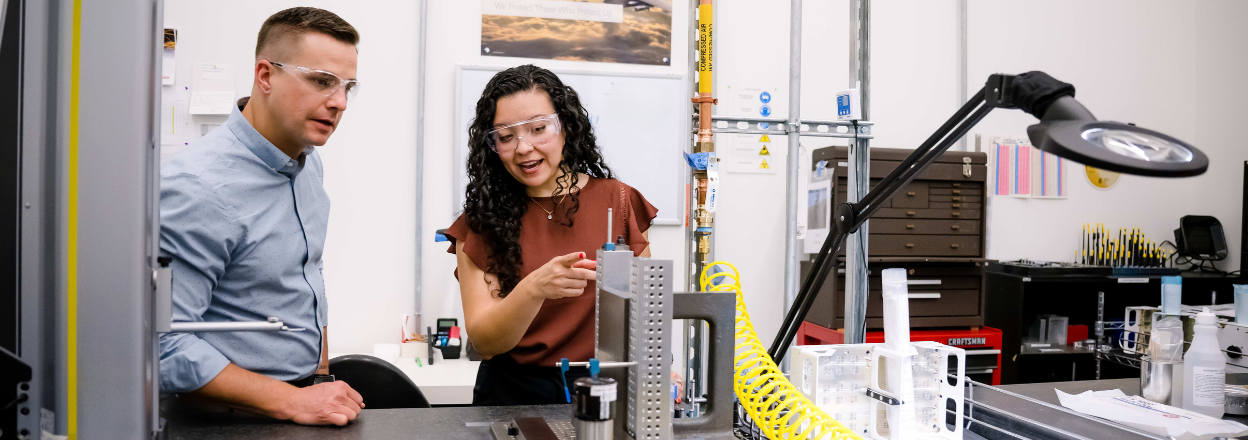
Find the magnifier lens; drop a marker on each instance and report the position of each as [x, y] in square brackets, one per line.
[1138, 145]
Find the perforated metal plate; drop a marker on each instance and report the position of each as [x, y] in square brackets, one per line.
[649, 344]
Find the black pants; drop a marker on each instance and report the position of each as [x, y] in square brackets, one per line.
[503, 382]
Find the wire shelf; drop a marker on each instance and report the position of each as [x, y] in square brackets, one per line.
[1119, 356]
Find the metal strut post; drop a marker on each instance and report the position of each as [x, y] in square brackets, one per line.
[793, 170]
[859, 174]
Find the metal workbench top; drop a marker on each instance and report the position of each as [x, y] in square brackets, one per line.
[452, 423]
[1085, 427]
[1020, 417]
[432, 423]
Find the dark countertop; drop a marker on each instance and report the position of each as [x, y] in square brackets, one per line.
[440, 423]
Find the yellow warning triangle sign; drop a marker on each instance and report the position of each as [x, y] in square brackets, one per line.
[764, 165]
[765, 139]
[764, 152]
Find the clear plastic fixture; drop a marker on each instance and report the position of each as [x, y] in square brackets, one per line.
[1241, 304]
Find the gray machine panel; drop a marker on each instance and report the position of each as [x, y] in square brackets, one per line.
[611, 308]
[117, 129]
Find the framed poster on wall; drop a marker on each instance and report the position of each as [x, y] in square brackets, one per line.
[607, 31]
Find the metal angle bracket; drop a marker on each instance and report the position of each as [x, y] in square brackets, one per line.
[833, 129]
[882, 396]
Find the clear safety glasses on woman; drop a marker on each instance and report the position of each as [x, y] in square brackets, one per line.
[324, 83]
[536, 132]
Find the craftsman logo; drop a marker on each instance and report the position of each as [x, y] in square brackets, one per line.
[968, 341]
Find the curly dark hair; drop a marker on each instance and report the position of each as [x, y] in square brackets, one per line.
[495, 201]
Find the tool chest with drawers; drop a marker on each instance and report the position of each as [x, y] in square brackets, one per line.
[933, 227]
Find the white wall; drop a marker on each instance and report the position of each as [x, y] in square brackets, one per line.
[913, 89]
[370, 274]
[1119, 54]
[1172, 69]
[1116, 52]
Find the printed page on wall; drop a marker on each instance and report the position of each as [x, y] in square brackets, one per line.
[607, 31]
[1048, 175]
[1009, 166]
[1018, 169]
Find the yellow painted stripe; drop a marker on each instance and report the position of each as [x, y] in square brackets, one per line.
[71, 253]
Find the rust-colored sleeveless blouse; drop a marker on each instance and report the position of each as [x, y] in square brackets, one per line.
[565, 327]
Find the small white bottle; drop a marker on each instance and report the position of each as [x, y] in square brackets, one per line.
[1204, 369]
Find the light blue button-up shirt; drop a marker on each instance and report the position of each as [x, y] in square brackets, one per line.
[245, 225]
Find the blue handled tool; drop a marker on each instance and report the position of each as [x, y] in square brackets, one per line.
[563, 376]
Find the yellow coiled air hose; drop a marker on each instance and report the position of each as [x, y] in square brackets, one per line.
[768, 397]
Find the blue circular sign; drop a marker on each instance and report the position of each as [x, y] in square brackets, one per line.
[765, 110]
[765, 97]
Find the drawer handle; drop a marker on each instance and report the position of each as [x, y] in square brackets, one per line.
[957, 205]
[975, 352]
[909, 226]
[956, 185]
[909, 245]
[957, 191]
[923, 282]
[957, 199]
[910, 213]
[957, 214]
[923, 296]
[954, 245]
[910, 193]
[955, 227]
[984, 371]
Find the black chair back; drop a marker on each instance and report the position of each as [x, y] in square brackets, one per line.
[380, 383]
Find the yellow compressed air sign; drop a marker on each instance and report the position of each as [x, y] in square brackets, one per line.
[704, 48]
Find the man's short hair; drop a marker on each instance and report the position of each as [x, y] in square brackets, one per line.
[288, 24]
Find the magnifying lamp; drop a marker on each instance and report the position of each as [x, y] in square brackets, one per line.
[1066, 129]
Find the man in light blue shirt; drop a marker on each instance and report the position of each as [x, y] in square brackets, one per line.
[243, 217]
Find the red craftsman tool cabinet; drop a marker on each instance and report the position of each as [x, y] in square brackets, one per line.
[982, 345]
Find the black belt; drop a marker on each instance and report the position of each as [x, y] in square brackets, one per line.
[311, 380]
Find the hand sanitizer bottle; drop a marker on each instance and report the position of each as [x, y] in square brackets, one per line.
[1204, 369]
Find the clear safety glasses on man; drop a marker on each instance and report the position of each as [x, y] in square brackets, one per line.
[536, 132]
[324, 83]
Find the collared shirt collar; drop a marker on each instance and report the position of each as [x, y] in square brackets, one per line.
[268, 153]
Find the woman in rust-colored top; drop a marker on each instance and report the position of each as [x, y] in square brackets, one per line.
[535, 212]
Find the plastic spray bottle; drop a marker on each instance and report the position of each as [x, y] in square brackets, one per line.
[1204, 369]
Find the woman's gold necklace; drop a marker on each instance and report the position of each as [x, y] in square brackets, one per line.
[550, 215]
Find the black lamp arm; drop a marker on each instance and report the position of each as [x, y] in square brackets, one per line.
[849, 216]
[893, 181]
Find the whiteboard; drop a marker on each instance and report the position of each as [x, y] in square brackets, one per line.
[641, 121]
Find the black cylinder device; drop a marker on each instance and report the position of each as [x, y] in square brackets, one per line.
[593, 403]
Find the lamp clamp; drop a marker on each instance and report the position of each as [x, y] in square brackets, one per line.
[999, 91]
